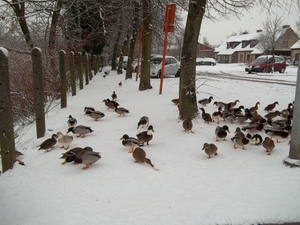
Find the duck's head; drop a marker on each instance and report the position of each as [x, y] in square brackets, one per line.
[69, 130]
[69, 158]
[225, 127]
[124, 137]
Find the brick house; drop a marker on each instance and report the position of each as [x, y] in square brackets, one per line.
[243, 48]
[204, 51]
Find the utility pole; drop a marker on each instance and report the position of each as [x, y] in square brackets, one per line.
[293, 160]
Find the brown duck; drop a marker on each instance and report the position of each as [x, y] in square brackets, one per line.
[272, 115]
[187, 124]
[240, 141]
[109, 104]
[206, 116]
[254, 108]
[268, 144]
[139, 155]
[217, 115]
[49, 143]
[210, 149]
[231, 105]
[146, 136]
[271, 106]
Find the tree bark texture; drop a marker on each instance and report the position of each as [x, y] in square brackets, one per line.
[187, 85]
[133, 39]
[146, 47]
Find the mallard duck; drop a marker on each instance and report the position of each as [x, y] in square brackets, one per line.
[255, 117]
[217, 115]
[120, 84]
[220, 104]
[279, 134]
[268, 144]
[144, 121]
[210, 149]
[271, 106]
[288, 111]
[205, 101]
[231, 105]
[187, 124]
[114, 96]
[175, 101]
[131, 142]
[109, 104]
[272, 115]
[221, 132]
[71, 121]
[96, 115]
[113, 102]
[64, 140]
[281, 123]
[87, 157]
[240, 140]
[255, 127]
[206, 116]
[254, 108]
[88, 109]
[81, 130]
[49, 143]
[139, 155]
[121, 111]
[75, 151]
[256, 139]
[146, 136]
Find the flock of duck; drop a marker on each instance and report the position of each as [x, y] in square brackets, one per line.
[86, 155]
[275, 124]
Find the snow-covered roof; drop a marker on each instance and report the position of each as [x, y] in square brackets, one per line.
[223, 50]
[296, 45]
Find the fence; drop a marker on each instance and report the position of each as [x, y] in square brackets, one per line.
[7, 141]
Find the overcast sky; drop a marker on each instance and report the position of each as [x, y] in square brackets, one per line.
[217, 32]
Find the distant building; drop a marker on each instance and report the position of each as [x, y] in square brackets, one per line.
[243, 48]
[204, 51]
[295, 51]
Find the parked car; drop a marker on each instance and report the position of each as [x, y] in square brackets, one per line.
[206, 62]
[172, 66]
[264, 64]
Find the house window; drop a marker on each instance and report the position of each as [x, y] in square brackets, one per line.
[248, 57]
[228, 45]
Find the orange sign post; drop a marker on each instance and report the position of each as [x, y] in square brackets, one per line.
[169, 20]
[139, 54]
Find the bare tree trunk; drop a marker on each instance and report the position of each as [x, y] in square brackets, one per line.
[116, 46]
[52, 35]
[146, 46]
[187, 85]
[19, 9]
[135, 29]
[124, 48]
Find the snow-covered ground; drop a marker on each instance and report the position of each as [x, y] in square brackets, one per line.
[235, 187]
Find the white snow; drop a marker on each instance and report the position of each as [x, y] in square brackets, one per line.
[235, 187]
